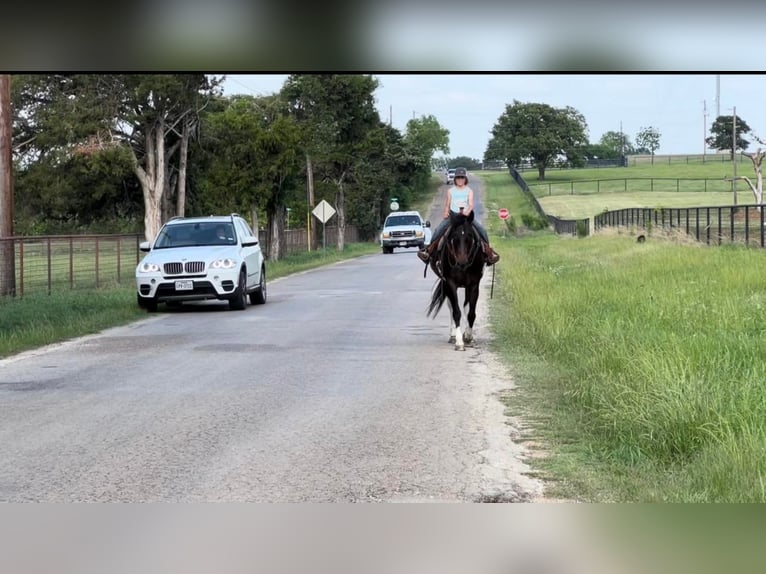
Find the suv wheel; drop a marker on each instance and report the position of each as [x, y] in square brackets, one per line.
[238, 301]
[258, 297]
[149, 304]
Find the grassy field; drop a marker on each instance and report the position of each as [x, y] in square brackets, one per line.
[639, 186]
[640, 367]
[582, 206]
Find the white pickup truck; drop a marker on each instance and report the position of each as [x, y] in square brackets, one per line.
[404, 229]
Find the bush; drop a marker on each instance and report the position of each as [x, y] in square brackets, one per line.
[533, 221]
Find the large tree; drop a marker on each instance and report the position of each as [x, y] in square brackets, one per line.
[151, 116]
[538, 132]
[335, 111]
[722, 134]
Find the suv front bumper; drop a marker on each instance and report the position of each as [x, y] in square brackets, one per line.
[218, 285]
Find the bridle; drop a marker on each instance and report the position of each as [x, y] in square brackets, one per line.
[452, 255]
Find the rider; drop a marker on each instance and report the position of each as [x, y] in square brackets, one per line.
[459, 200]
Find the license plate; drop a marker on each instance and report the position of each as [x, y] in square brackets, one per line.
[403, 243]
[184, 285]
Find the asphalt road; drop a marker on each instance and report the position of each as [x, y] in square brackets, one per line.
[338, 389]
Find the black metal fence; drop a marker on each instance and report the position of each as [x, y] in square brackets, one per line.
[688, 159]
[560, 226]
[633, 184]
[712, 225]
[579, 227]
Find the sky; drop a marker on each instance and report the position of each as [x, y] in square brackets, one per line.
[468, 105]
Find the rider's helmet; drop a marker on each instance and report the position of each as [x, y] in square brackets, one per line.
[460, 172]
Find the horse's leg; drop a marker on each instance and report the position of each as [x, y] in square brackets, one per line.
[455, 307]
[471, 299]
[451, 323]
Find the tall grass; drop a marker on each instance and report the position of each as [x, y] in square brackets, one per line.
[643, 365]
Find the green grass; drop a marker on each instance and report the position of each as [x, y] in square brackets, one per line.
[35, 320]
[582, 206]
[641, 368]
[620, 188]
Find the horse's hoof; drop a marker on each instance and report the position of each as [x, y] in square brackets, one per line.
[452, 340]
[460, 347]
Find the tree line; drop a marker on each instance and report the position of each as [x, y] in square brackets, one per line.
[125, 152]
[547, 136]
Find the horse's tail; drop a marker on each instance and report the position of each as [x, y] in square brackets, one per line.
[437, 299]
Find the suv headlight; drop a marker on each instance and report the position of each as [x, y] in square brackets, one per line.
[386, 234]
[418, 234]
[148, 268]
[226, 263]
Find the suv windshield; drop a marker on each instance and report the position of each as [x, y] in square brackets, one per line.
[195, 234]
[402, 220]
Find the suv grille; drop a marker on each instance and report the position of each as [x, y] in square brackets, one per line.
[407, 233]
[179, 268]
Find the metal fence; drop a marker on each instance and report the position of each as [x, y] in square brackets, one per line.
[48, 263]
[53, 262]
[632, 184]
[691, 158]
[560, 226]
[712, 225]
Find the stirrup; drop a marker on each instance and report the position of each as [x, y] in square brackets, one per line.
[424, 256]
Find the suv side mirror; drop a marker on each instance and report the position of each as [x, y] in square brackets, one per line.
[144, 246]
[428, 223]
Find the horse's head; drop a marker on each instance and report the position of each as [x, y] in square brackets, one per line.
[462, 243]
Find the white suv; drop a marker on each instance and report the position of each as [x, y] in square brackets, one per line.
[196, 258]
[404, 229]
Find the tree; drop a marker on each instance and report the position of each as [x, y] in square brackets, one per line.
[464, 161]
[648, 138]
[335, 111]
[722, 133]
[424, 136]
[152, 116]
[540, 132]
[618, 142]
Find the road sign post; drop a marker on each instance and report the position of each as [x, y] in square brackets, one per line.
[503, 214]
[323, 212]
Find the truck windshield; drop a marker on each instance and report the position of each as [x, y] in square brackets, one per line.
[402, 220]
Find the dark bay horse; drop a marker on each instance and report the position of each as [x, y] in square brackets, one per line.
[458, 262]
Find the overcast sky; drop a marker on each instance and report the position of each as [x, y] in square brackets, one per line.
[469, 105]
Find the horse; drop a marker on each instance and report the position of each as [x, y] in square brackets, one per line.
[458, 262]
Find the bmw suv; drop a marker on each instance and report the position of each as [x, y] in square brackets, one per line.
[197, 258]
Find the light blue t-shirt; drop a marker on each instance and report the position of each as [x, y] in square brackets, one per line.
[459, 196]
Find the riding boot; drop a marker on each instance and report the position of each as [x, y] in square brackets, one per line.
[425, 254]
[490, 254]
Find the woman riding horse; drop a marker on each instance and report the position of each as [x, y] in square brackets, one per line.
[459, 200]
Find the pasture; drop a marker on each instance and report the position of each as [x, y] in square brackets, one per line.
[581, 193]
[640, 367]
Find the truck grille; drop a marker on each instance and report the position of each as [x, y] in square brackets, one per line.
[406, 233]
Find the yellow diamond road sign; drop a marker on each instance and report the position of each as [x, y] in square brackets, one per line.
[323, 211]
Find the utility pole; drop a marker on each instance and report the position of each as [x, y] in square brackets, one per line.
[704, 129]
[718, 96]
[7, 253]
[733, 152]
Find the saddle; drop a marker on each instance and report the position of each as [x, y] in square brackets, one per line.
[435, 262]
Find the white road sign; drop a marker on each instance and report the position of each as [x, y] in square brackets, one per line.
[323, 211]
